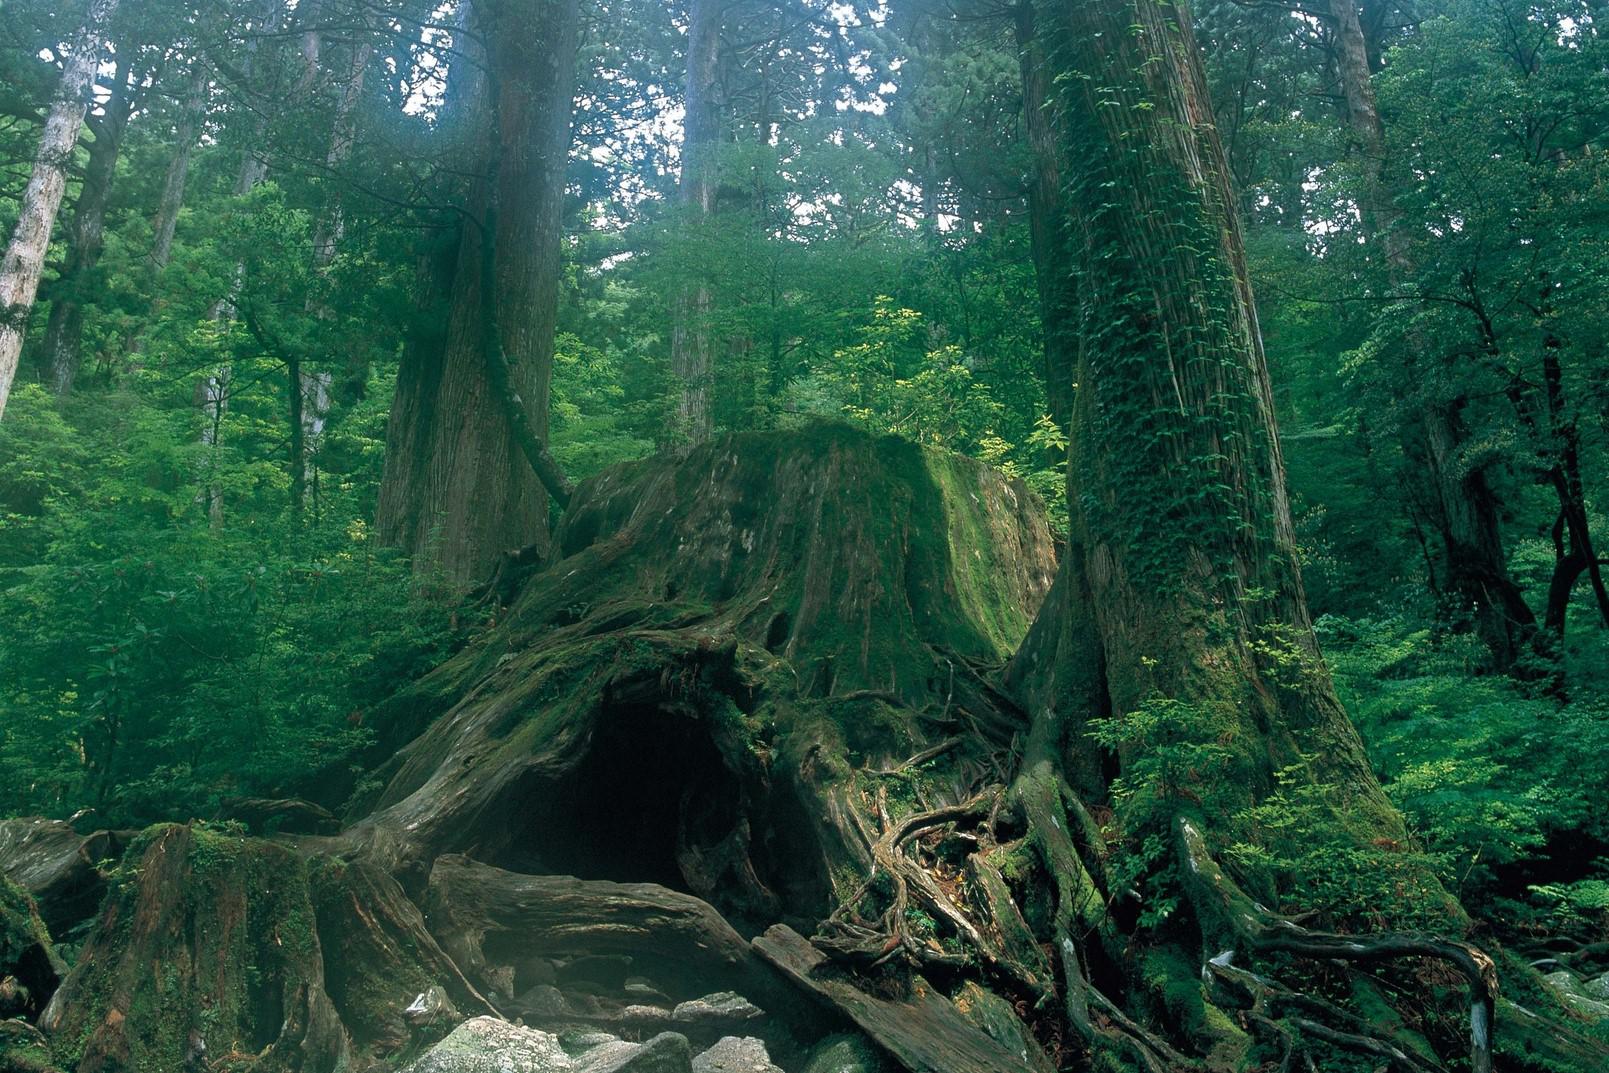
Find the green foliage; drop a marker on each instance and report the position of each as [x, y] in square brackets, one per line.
[158, 662]
[1488, 774]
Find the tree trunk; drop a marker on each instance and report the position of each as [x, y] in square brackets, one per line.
[64, 332]
[1181, 599]
[30, 238]
[691, 347]
[191, 113]
[343, 138]
[1460, 501]
[1047, 222]
[460, 487]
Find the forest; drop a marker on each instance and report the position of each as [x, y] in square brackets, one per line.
[804, 536]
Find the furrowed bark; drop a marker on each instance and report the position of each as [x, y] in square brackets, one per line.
[691, 347]
[64, 332]
[468, 489]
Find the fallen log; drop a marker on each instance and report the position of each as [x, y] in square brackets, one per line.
[921, 1029]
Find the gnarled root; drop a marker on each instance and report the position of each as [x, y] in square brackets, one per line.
[1213, 891]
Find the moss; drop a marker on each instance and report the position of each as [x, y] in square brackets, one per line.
[1176, 984]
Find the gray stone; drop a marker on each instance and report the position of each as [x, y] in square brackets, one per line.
[544, 1000]
[580, 1040]
[1572, 994]
[432, 1008]
[667, 1052]
[1597, 988]
[487, 1045]
[735, 1054]
[844, 1054]
[723, 1007]
[643, 1016]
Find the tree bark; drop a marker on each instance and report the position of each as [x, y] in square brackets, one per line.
[1182, 573]
[30, 239]
[1047, 222]
[1458, 498]
[64, 331]
[691, 347]
[187, 130]
[460, 488]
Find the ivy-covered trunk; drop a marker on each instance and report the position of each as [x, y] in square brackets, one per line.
[1175, 676]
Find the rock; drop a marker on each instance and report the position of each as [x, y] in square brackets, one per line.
[1573, 994]
[1597, 988]
[580, 1040]
[432, 1008]
[845, 1054]
[544, 1000]
[487, 1045]
[644, 1016]
[735, 1054]
[723, 1007]
[667, 1052]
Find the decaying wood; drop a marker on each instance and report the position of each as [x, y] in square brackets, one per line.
[920, 1028]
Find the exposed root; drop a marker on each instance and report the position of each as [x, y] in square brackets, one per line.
[852, 938]
[1262, 930]
[1265, 1000]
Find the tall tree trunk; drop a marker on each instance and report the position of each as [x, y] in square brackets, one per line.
[691, 348]
[64, 332]
[188, 128]
[460, 486]
[343, 138]
[1181, 609]
[1048, 225]
[1460, 500]
[30, 239]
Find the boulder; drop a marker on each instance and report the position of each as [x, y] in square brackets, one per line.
[1576, 998]
[488, 1045]
[721, 1008]
[845, 1054]
[735, 1054]
[667, 1052]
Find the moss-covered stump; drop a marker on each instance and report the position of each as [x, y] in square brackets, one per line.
[750, 664]
[685, 696]
[207, 944]
[216, 948]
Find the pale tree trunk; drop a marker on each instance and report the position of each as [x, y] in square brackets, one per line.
[191, 113]
[64, 332]
[1455, 496]
[343, 138]
[470, 420]
[691, 348]
[30, 239]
